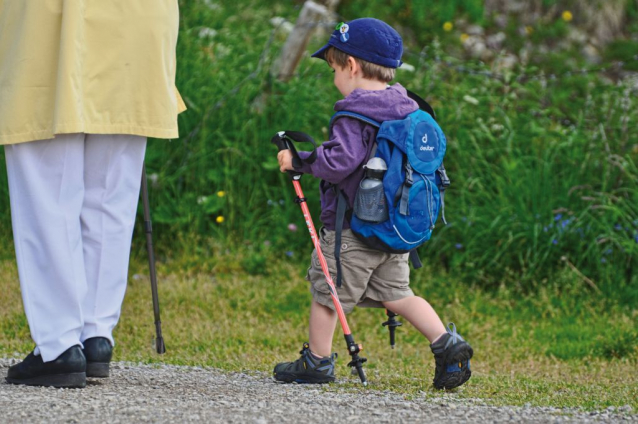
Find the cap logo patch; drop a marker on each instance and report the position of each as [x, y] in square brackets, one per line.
[344, 37]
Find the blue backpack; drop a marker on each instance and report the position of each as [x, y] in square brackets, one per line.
[413, 185]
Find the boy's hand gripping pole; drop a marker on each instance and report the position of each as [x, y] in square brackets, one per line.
[284, 140]
[148, 227]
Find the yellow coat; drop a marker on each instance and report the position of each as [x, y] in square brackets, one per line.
[92, 66]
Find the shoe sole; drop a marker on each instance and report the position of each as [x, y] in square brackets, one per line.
[287, 378]
[97, 369]
[71, 380]
[461, 352]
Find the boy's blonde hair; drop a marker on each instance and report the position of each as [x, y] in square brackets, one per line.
[369, 70]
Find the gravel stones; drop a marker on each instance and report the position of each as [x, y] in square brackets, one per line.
[166, 393]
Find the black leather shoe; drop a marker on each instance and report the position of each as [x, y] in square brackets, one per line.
[98, 352]
[67, 370]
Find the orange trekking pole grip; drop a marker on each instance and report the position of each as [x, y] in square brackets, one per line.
[283, 140]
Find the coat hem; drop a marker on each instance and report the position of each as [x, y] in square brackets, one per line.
[166, 133]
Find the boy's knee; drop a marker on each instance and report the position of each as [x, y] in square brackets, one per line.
[388, 303]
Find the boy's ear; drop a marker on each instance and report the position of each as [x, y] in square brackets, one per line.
[352, 66]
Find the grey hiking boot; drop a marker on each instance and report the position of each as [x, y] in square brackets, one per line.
[452, 355]
[307, 369]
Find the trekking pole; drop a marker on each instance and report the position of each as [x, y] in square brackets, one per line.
[159, 340]
[283, 141]
[391, 323]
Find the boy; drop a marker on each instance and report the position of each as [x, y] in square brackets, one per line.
[364, 55]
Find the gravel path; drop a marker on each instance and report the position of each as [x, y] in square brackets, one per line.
[165, 393]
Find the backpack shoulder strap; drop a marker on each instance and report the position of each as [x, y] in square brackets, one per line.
[354, 115]
[423, 105]
[414, 258]
[342, 207]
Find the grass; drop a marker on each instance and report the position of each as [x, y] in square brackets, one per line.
[553, 349]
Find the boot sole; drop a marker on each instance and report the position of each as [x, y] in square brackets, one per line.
[97, 369]
[288, 378]
[71, 380]
[460, 353]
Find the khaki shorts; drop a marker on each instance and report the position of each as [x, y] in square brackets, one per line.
[369, 276]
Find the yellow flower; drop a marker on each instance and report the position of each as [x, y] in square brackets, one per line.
[448, 26]
[567, 16]
[464, 37]
[221, 193]
[529, 29]
[220, 219]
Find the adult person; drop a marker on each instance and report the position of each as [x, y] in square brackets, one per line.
[82, 84]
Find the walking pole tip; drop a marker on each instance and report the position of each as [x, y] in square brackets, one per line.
[159, 345]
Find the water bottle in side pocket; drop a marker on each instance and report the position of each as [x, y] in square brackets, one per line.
[370, 204]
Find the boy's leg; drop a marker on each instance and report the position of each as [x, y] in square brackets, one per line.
[323, 321]
[451, 352]
[420, 314]
[316, 366]
[112, 178]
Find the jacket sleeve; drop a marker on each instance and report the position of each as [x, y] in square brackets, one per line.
[339, 156]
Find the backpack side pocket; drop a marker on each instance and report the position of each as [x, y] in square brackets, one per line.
[370, 204]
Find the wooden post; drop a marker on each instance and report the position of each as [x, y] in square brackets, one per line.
[310, 16]
[330, 4]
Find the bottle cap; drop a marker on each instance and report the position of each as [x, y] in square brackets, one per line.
[376, 164]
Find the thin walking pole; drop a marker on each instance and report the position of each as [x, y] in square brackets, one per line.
[159, 340]
[391, 323]
[283, 142]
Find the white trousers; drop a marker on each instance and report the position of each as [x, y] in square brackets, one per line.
[73, 205]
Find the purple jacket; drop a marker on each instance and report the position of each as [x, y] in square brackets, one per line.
[340, 160]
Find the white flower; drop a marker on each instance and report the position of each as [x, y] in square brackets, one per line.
[202, 199]
[471, 100]
[222, 50]
[153, 178]
[406, 67]
[207, 33]
[497, 127]
[212, 5]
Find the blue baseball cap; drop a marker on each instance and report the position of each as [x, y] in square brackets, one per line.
[369, 39]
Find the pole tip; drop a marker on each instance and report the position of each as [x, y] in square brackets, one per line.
[159, 345]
